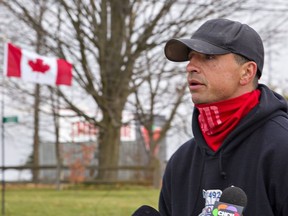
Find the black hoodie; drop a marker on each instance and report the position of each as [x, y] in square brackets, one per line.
[254, 157]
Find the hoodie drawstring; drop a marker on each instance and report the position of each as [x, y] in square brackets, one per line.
[223, 174]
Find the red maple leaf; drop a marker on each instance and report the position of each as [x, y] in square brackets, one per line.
[38, 65]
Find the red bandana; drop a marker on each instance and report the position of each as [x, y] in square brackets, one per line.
[218, 119]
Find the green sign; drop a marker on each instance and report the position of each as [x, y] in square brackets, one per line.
[8, 119]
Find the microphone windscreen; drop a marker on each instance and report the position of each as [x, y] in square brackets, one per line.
[146, 210]
[234, 195]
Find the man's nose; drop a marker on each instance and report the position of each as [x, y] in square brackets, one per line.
[192, 66]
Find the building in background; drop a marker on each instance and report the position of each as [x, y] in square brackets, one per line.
[79, 148]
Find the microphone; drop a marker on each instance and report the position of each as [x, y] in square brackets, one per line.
[146, 210]
[232, 202]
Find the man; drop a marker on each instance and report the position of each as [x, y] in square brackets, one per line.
[240, 127]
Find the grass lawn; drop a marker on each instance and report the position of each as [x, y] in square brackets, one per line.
[105, 201]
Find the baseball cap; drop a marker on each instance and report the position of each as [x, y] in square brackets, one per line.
[219, 36]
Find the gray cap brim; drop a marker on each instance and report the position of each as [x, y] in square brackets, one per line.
[178, 49]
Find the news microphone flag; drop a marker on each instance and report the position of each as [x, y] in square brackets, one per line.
[232, 202]
[227, 209]
[31, 67]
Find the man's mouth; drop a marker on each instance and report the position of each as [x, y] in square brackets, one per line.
[194, 84]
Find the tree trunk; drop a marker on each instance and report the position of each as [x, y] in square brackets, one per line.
[59, 161]
[155, 164]
[109, 142]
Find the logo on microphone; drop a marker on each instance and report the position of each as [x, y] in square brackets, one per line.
[224, 209]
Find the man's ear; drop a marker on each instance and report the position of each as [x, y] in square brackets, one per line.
[249, 71]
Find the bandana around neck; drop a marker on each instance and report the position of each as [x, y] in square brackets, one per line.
[218, 119]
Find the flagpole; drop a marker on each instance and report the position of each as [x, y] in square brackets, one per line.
[3, 148]
[4, 38]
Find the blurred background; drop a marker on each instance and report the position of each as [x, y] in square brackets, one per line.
[128, 108]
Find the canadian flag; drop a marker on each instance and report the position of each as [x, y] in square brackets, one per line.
[32, 67]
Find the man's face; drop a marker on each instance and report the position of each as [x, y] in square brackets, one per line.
[213, 78]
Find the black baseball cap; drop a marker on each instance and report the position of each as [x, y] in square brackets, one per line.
[219, 36]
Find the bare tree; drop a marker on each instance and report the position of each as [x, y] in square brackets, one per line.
[10, 34]
[39, 10]
[109, 41]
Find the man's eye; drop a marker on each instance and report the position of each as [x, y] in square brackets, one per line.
[190, 55]
[210, 57]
